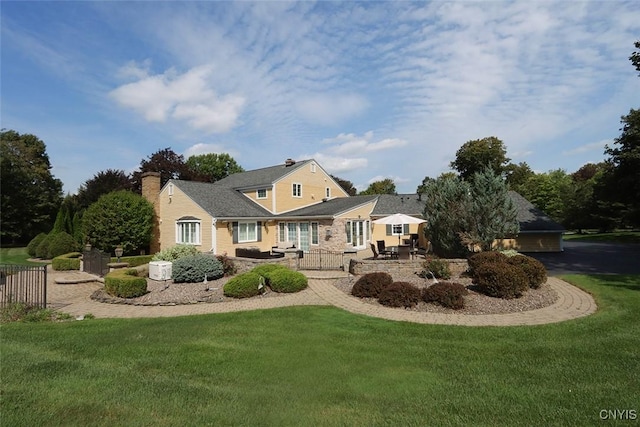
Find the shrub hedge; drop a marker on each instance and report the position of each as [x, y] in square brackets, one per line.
[265, 270]
[446, 294]
[244, 285]
[400, 294]
[194, 268]
[287, 281]
[42, 251]
[371, 284]
[500, 280]
[175, 252]
[70, 261]
[534, 270]
[61, 243]
[134, 261]
[125, 283]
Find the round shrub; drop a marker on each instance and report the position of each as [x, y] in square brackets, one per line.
[34, 243]
[501, 280]
[265, 270]
[446, 294]
[399, 294]
[439, 268]
[175, 252]
[194, 268]
[125, 283]
[532, 268]
[371, 284]
[42, 251]
[288, 281]
[487, 257]
[244, 285]
[61, 243]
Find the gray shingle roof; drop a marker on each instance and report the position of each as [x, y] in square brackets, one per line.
[532, 218]
[329, 208]
[407, 204]
[263, 177]
[220, 201]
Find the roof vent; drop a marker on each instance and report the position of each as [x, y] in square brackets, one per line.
[289, 162]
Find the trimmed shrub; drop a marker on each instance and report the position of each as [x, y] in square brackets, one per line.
[534, 270]
[194, 268]
[265, 270]
[500, 280]
[446, 294]
[175, 252]
[61, 243]
[371, 284]
[439, 268]
[288, 281]
[228, 265]
[42, 251]
[244, 285]
[70, 261]
[487, 257]
[34, 243]
[134, 261]
[399, 294]
[125, 283]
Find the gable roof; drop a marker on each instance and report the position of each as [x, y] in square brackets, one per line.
[389, 204]
[330, 208]
[532, 219]
[220, 201]
[258, 178]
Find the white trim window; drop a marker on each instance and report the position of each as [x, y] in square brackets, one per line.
[247, 232]
[261, 193]
[188, 231]
[296, 189]
[396, 230]
[315, 236]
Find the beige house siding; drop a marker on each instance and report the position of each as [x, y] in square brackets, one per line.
[532, 242]
[380, 233]
[176, 206]
[313, 189]
[265, 203]
[224, 233]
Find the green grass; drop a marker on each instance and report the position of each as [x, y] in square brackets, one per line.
[15, 256]
[323, 366]
[612, 237]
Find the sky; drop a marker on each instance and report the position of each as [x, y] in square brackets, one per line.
[370, 90]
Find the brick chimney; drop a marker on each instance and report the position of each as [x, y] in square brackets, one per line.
[151, 192]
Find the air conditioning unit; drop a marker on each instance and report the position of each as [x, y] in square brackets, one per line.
[160, 270]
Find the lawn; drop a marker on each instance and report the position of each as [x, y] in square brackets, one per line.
[323, 366]
[612, 237]
[15, 256]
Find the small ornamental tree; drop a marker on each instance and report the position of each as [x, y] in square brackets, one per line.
[119, 218]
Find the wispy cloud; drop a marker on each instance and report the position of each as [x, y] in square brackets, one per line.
[588, 148]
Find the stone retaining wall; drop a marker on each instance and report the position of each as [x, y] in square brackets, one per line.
[245, 264]
[400, 267]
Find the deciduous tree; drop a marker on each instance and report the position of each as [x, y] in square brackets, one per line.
[212, 167]
[346, 185]
[30, 195]
[385, 186]
[480, 154]
[102, 183]
[167, 162]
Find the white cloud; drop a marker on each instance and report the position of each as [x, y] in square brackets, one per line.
[188, 97]
[333, 164]
[349, 143]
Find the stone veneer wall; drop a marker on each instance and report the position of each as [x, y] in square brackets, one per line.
[245, 264]
[400, 267]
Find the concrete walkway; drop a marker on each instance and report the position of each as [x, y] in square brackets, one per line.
[70, 293]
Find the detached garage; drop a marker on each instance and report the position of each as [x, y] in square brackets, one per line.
[538, 232]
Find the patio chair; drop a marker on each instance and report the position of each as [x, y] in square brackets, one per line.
[382, 250]
[404, 252]
[375, 252]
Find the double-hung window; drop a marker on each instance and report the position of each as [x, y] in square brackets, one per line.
[188, 231]
[261, 193]
[247, 232]
[297, 190]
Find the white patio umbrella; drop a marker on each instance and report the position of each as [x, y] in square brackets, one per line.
[399, 219]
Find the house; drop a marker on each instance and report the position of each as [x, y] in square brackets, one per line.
[296, 204]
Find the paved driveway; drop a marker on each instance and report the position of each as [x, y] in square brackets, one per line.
[592, 258]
